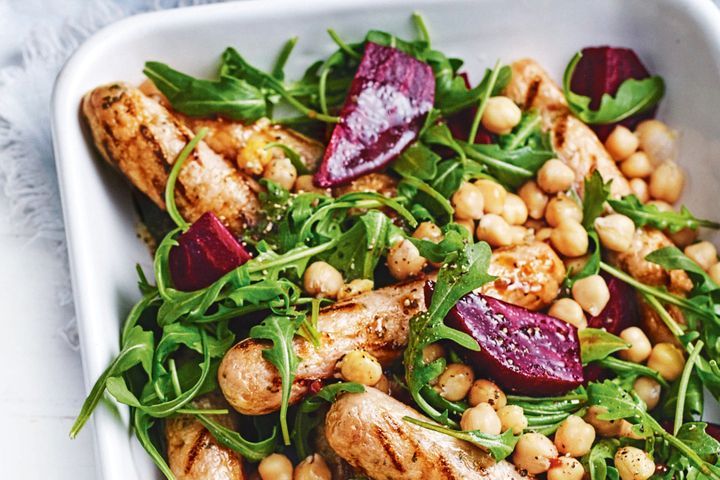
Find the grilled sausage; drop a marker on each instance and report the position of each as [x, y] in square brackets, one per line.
[376, 321]
[240, 143]
[141, 138]
[368, 431]
[528, 275]
[573, 141]
[194, 454]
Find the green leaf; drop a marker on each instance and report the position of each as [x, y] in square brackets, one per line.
[142, 423]
[172, 178]
[650, 215]
[499, 446]
[596, 344]
[511, 168]
[629, 371]
[137, 349]
[632, 97]
[592, 266]
[595, 195]
[292, 155]
[462, 272]
[280, 331]
[693, 400]
[595, 461]
[619, 403]
[671, 258]
[417, 161]
[455, 237]
[694, 436]
[308, 417]
[228, 96]
[251, 451]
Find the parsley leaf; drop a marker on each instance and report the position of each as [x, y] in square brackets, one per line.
[643, 215]
[632, 97]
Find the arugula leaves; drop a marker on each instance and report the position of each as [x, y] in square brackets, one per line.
[649, 215]
[252, 451]
[229, 96]
[461, 273]
[597, 344]
[499, 446]
[632, 97]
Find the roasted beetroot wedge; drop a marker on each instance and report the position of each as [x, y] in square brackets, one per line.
[205, 253]
[602, 70]
[383, 113]
[621, 311]
[525, 352]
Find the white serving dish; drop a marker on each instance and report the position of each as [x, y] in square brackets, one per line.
[678, 39]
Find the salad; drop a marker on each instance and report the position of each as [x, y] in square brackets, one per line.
[392, 268]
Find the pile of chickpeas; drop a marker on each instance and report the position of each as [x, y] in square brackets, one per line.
[279, 467]
[542, 210]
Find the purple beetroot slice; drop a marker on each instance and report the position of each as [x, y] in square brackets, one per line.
[383, 113]
[204, 253]
[602, 70]
[524, 352]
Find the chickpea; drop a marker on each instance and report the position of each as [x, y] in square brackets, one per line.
[570, 238]
[322, 280]
[383, 385]
[637, 165]
[428, 231]
[404, 260]
[468, 202]
[467, 224]
[566, 468]
[282, 172]
[604, 428]
[668, 360]
[576, 263]
[657, 141]
[592, 294]
[661, 206]
[621, 143]
[485, 391]
[648, 389]
[275, 467]
[481, 417]
[494, 195]
[501, 115]
[304, 184]
[640, 189]
[517, 234]
[568, 310]
[574, 436]
[544, 234]
[361, 367]
[714, 272]
[684, 237]
[355, 288]
[313, 468]
[634, 464]
[533, 453]
[535, 199]
[514, 210]
[615, 231]
[494, 230]
[432, 352]
[455, 382]
[640, 346]
[560, 208]
[512, 417]
[703, 253]
[554, 176]
[666, 182]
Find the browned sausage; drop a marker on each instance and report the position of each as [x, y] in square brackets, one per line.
[573, 141]
[193, 453]
[528, 275]
[141, 138]
[368, 431]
